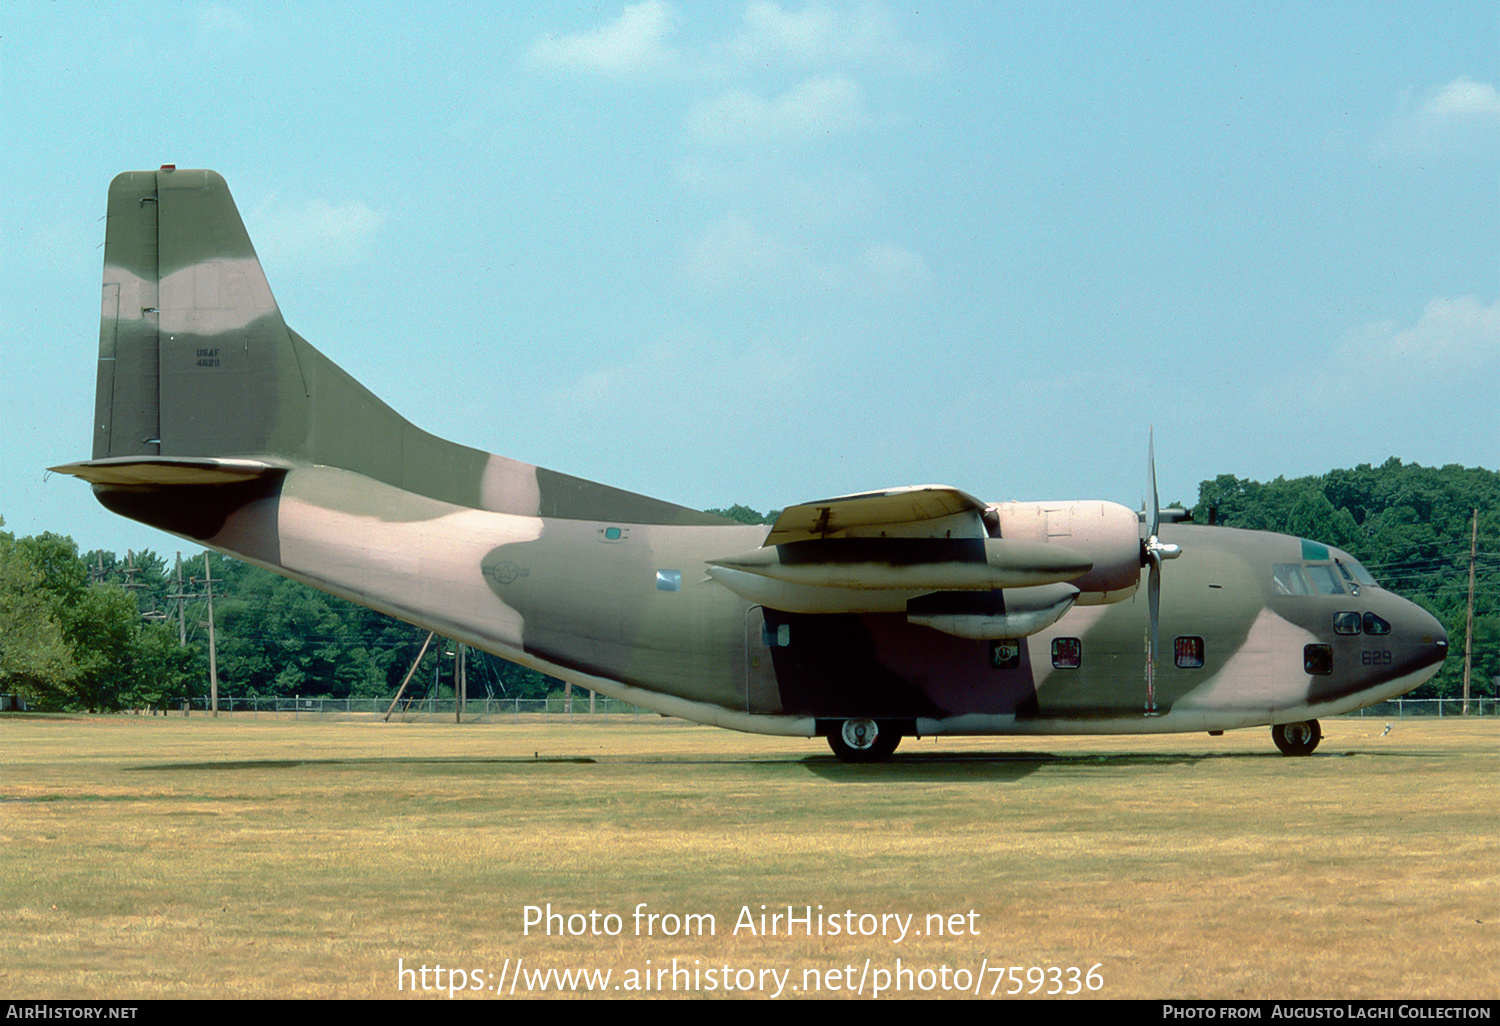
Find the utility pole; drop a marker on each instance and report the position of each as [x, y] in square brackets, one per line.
[213, 651]
[129, 571]
[460, 681]
[1469, 624]
[181, 598]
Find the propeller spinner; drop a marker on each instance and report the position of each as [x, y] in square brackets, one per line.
[1153, 552]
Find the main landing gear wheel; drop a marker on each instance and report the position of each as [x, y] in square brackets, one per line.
[1297, 738]
[863, 740]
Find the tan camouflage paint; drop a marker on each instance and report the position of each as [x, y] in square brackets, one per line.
[216, 422]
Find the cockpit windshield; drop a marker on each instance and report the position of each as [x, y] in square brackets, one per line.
[1306, 579]
[1342, 576]
[1325, 579]
[1360, 573]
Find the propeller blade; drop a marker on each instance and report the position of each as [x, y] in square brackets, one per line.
[1155, 550]
[1153, 643]
[1154, 520]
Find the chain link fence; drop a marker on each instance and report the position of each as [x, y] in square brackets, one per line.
[1399, 707]
[583, 708]
[552, 709]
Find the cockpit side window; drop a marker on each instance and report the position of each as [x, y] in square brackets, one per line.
[1325, 581]
[1290, 580]
[1348, 577]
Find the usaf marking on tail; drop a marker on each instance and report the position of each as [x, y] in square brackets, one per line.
[862, 619]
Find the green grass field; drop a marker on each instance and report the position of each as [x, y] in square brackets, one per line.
[172, 857]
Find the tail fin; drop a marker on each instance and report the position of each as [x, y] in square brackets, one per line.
[189, 334]
[195, 359]
[200, 379]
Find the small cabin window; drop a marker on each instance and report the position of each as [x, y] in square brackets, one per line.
[1188, 653]
[669, 580]
[779, 636]
[1005, 655]
[1346, 623]
[1067, 653]
[1375, 625]
[1317, 659]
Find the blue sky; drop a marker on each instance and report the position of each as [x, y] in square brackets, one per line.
[771, 252]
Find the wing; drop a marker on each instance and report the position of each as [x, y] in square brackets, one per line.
[929, 551]
[919, 511]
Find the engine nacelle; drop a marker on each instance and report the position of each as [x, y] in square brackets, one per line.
[993, 615]
[1105, 532]
[1037, 561]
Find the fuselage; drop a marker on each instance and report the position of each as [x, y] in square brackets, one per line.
[1256, 628]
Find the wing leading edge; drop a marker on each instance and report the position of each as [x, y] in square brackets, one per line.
[918, 511]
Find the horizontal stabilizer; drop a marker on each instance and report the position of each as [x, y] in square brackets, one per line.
[164, 471]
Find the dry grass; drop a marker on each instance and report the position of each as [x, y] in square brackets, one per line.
[145, 858]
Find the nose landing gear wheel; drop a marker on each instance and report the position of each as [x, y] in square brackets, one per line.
[863, 740]
[1297, 738]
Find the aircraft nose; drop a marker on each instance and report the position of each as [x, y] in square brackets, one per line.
[1428, 639]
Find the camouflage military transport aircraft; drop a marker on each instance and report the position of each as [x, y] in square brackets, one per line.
[861, 618]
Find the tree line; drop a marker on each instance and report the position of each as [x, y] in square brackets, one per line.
[98, 631]
[1411, 528]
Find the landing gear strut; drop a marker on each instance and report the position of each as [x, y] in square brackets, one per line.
[1297, 738]
[863, 740]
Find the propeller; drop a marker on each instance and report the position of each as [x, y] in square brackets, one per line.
[1153, 552]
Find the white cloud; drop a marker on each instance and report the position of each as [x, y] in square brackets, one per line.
[895, 264]
[819, 33]
[221, 18]
[635, 41]
[825, 105]
[661, 380]
[1453, 337]
[815, 34]
[1463, 98]
[1422, 389]
[735, 253]
[314, 232]
[1453, 117]
[769, 28]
